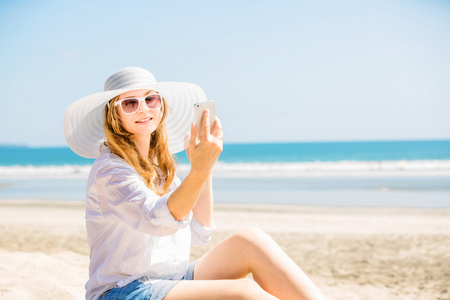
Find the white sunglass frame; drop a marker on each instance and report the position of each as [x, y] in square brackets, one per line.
[140, 99]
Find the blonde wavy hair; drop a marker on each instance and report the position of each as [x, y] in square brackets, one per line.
[158, 168]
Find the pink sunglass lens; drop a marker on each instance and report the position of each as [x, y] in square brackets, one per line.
[153, 101]
[130, 105]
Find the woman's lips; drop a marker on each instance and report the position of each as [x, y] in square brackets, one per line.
[145, 120]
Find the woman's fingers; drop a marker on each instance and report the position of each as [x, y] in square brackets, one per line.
[217, 129]
[193, 137]
[187, 139]
[205, 145]
[205, 127]
[202, 134]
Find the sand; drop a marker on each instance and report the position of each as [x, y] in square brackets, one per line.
[351, 253]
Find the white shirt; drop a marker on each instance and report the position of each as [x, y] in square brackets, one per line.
[130, 230]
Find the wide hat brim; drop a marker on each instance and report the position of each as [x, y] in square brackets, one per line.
[84, 119]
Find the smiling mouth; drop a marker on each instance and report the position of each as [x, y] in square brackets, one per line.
[144, 120]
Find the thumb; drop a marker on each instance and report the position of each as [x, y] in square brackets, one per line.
[193, 138]
[186, 140]
[186, 143]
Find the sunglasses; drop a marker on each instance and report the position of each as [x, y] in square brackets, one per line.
[131, 105]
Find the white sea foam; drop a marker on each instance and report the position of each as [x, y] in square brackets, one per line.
[300, 169]
[66, 171]
[332, 169]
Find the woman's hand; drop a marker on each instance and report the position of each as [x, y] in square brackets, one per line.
[205, 145]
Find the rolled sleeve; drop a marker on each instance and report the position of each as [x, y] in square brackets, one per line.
[121, 195]
[201, 235]
[161, 214]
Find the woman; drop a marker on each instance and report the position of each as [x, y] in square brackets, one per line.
[141, 221]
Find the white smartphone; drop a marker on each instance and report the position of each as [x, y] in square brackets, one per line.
[200, 107]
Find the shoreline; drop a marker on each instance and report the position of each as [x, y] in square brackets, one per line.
[418, 192]
[253, 207]
[350, 252]
[266, 169]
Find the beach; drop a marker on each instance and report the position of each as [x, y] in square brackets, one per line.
[350, 253]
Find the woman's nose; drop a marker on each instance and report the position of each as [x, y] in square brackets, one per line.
[143, 107]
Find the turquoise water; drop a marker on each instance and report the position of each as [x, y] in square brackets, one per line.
[407, 174]
[263, 153]
[337, 151]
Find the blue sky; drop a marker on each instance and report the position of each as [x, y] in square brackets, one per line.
[278, 70]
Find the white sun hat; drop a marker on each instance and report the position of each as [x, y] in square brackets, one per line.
[83, 119]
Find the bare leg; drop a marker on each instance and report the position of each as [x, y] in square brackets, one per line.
[252, 251]
[220, 273]
[245, 289]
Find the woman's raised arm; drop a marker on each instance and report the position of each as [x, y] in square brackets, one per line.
[205, 146]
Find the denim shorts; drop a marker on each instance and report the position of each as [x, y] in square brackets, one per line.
[146, 288]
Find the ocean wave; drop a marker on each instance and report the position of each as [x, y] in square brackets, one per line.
[65, 171]
[324, 169]
[300, 169]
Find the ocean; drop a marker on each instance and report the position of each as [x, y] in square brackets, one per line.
[388, 173]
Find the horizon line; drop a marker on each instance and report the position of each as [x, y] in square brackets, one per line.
[15, 145]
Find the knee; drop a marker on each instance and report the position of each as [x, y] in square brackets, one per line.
[246, 289]
[253, 235]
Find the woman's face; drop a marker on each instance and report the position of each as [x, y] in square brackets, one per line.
[145, 120]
